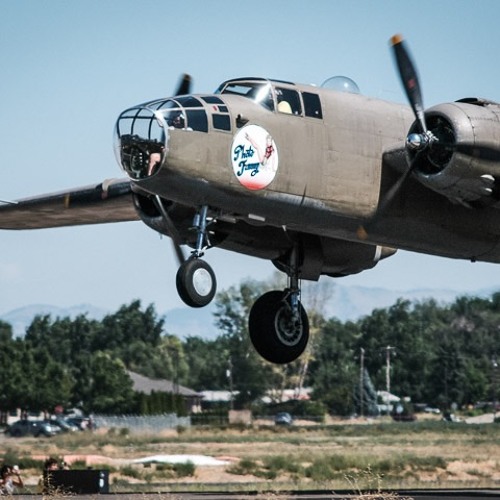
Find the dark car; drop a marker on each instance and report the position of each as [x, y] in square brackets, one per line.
[283, 418]
[32, 428]
[63, 424]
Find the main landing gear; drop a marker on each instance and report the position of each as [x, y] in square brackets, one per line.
[278, 323]
[278, 326]
[195, 280]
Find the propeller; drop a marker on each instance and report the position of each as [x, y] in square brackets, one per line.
[422, 142]
[419, 142]
[184, 85]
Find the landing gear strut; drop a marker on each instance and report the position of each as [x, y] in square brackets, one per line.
[195, 280]
[278, 323]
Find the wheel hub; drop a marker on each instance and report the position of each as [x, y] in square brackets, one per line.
[288, 326]
[202, 282]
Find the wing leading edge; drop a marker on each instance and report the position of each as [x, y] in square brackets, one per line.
[109, 201]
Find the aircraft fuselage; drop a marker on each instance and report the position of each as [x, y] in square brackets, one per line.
[325, 173]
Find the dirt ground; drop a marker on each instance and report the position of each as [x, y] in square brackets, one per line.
[471, 462]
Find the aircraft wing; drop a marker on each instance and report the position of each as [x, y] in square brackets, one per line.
[109, 201]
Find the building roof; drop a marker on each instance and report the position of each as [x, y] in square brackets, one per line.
[148, 385]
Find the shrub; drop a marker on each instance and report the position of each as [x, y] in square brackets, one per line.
[184, 469]
[130, 472]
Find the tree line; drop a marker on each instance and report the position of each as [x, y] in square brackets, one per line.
[437, 354]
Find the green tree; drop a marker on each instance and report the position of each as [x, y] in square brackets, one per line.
[110, 390]
[251, 375]
[129, 324]
[208, 362]
[14, 377]
[51, 383]
[334, 373]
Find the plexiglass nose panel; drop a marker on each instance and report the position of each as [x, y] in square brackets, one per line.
[141, 138]
[142, 132]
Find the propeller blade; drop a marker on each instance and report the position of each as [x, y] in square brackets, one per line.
[393, 191]
[174, 234]
[184, 86]
[409, 79]
[362, 230]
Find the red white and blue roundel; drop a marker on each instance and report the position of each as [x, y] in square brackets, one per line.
[254, 157]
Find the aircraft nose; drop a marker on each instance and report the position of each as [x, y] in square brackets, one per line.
[140, 142]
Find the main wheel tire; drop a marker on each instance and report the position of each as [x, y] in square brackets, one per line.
[196, 282]
[275, 334]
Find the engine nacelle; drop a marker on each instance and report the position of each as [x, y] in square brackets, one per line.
[332, 257]
[343, 258]
[463, 178]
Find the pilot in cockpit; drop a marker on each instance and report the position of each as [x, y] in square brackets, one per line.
[178, 122]
[283, 104]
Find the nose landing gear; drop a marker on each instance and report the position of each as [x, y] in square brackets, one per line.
[195, 280]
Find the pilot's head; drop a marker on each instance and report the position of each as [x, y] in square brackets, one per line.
[178, 121]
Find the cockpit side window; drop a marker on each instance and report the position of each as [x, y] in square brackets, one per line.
[312, 105]
[220, 113]
[288, 101]
[197, 120]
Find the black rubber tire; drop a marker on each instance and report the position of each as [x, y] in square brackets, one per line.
[196, 282]
[272, 332]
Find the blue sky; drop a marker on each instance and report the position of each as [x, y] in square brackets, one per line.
[69, 68]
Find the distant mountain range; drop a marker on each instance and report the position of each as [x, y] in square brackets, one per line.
[344, 302]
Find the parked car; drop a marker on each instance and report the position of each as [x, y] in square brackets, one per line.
[81, 423]
[404, 417]
[32, 428]
[283, 418]
[430, 409]
[63, 424]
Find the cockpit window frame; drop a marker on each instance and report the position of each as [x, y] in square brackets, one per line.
[304, 103]
[183, 113]
[258, 90]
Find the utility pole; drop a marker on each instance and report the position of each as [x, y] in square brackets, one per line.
[361, 379]
[494, 386]
[229, 375]
[388, 350]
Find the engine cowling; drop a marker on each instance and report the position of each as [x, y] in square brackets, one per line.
[469, 179]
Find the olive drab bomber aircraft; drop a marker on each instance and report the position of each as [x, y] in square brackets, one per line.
[319, 181]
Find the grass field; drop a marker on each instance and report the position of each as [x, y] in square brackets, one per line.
[371, 456]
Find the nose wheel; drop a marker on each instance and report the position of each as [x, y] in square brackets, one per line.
[196, 283]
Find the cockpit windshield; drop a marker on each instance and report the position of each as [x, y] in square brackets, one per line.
[259, 91]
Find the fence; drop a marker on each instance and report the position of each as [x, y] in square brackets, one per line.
[142, 424]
